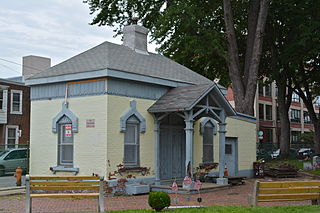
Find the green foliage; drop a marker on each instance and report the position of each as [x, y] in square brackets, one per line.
[189, 32]
[158, 200]
[239, 209]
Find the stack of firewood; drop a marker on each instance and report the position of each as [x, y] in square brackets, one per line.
[282, 171]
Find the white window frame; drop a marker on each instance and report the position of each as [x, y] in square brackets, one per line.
[211, 126]
[61, 144]
[17, 135]
[136, 125]
[11, 102]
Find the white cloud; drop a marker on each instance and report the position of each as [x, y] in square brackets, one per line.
[57, 29]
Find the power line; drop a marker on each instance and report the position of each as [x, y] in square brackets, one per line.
[12, 62]
[10, 68]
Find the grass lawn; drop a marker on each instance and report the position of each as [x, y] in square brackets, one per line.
[239, 209]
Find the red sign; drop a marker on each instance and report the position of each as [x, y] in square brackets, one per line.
[67, 131]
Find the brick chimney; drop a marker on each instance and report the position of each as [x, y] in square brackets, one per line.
[34, 64]
[135, 37]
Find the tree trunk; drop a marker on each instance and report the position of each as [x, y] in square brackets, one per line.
[284, 102]
[316, 137]
[244, 81]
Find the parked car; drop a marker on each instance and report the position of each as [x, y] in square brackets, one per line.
[10, 159]
[305, 152]
[275, 154]
[293, 153]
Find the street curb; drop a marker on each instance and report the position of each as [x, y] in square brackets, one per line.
[308, 174]
[12, 188]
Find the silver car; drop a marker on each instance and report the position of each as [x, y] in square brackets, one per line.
[10, 159]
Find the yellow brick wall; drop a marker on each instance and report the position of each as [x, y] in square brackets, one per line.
[90, 144]
[117, 106]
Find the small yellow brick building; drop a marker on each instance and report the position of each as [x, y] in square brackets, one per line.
[122, 112]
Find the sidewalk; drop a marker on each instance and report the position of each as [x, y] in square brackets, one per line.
[237, 195]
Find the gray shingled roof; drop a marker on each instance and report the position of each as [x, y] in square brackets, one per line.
[118, 57]
[180, 98]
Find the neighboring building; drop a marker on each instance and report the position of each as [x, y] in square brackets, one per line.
[15, 105]
[266, 112]
[14, 114]
[115, 110]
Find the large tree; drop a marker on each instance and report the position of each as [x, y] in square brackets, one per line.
[291, 50]
[218, 40]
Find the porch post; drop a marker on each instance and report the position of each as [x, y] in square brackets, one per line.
[189, 141]
[222, 143]
[157, 150]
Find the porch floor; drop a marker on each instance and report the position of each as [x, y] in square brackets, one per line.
[206, 187]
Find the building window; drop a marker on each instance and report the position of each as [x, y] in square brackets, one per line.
[295, 137]
[295, 97]
[269, 112]
[65, 142]
[278, 114]
[208, 143]
[12, 137]
[16, 102]
[268, 135]
[295, 116]
[260, 89]
[1, 99]
[268, 90]
[261, 111]
[306, 117]
[228, 149]
[131, 142]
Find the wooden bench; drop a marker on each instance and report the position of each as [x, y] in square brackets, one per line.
[64, 187]
[279, 191]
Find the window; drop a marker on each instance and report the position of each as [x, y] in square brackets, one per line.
[16, 102]
[306, 117]
[295, 97]
[268, 135]
[261, 111]
[208, 143]
[260, 89]
[11, 136]
[269, 112]
[228, 150]
[1, 99]
[295, 137]
[278, 114]
[131, 142]
[65, 142]
[295, 116]
[268, 90]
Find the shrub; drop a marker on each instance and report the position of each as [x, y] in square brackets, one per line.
[158, 200]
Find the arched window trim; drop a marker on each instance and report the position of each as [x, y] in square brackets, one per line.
[132, 111]
[203, 123]
[65, 111]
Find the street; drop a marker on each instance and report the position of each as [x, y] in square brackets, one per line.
[9, 181]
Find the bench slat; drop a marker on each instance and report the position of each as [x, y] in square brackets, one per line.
[280, 197]
[65, 195]
[64, 188]
[289, 190]
[285, 184]
[64, 183]
[64, 178]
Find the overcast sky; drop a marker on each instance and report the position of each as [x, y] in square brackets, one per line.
[57, 29]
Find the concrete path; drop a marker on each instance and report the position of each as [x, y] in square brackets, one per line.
[237, 195]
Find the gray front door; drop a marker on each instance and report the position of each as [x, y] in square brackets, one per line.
[172, 152]
[231, 156]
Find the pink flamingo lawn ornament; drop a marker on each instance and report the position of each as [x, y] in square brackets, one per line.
[175, 188]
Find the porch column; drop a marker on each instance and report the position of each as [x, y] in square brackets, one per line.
[189, 141]
[222, 144]
[157, 150]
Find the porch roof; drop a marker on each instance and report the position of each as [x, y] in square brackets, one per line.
[185, 99]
